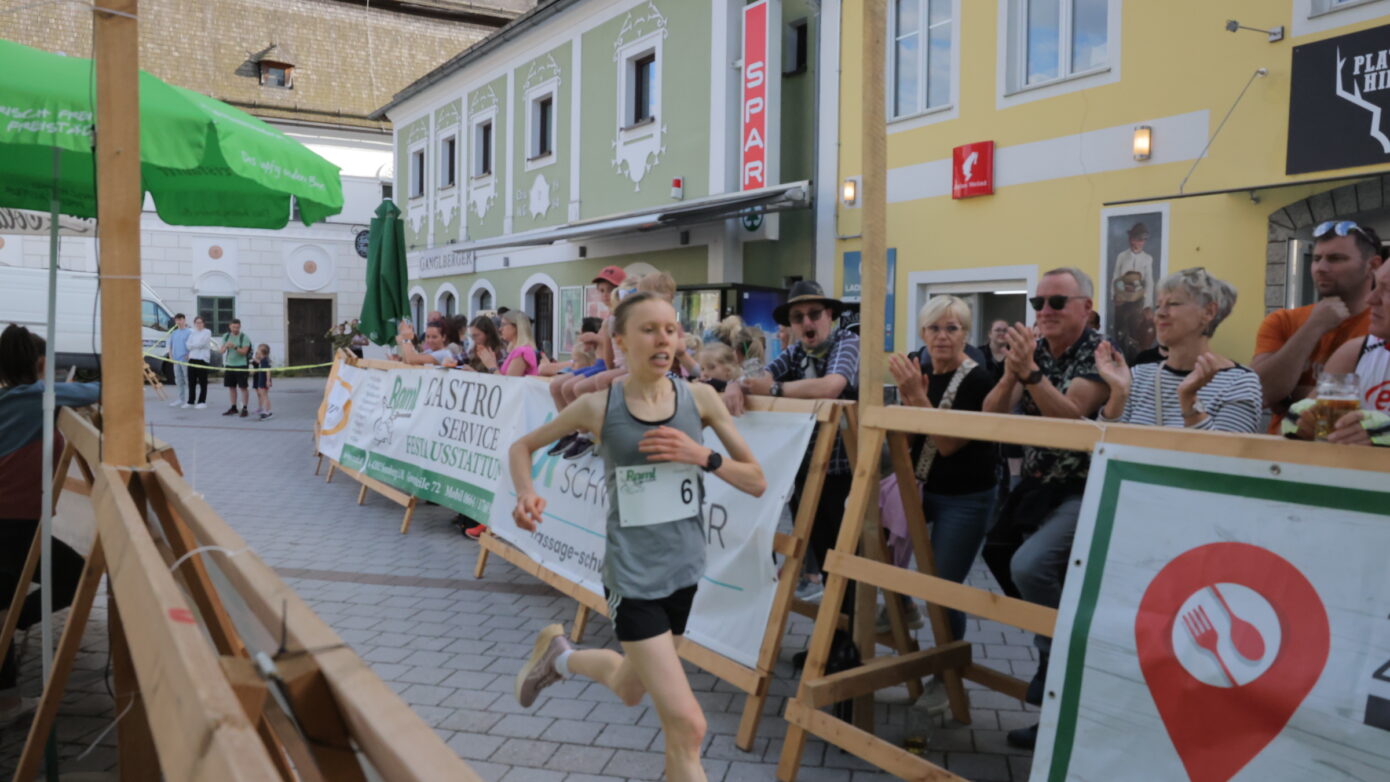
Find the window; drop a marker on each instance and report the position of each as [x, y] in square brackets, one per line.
[448, 305]
[482, 149]
[387, 190]
[794, 48]
[1058, 39]
[484, 300]
[448, 162]
[153, 316]
[920, 62]
[542, 127]
[217, 312]
[277, 75]
[417, 173]
[641, 86]
[417, 311]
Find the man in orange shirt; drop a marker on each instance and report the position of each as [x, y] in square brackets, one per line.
[1292, 345]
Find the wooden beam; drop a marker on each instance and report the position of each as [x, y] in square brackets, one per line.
[895, 760]
[884, 672]
[1086, 435]
[999, 682]
[396, 740]
[136, 757]
[116, 52]
[199, 728]
[972, 600]
[873, 168]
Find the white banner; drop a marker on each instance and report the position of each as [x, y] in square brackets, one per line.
[443, 435]
[1222, 619]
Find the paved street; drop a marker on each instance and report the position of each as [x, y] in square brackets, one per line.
[450, 644]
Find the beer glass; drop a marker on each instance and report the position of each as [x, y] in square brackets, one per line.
[1337, 396]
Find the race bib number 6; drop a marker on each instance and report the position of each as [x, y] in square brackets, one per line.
[657, 493]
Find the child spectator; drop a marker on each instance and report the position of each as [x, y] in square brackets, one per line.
[718, 365]
[260, 380]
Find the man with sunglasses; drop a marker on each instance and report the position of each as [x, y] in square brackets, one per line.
[822, 362]
[1292, 345]
[1051, 372]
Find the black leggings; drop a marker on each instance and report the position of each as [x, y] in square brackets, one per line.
[198, 381]
[16, 536]
[825, 528]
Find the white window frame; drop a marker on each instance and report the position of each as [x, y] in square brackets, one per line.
[448, 169]
[449, 288]
[487, 118]
[627, 57]
[532, 99]
[1317, 16]
[417, 176]
[480, 286]
[923, 116]
[1013, 61]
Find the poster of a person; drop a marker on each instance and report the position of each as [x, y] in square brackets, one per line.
[1134, 261]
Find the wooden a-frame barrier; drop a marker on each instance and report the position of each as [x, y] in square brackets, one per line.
[190, 702]
[755, 681]
[951, 658]
[401, 498]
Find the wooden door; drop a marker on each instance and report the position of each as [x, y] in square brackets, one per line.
[308, 322]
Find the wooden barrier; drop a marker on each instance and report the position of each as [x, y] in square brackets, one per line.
[190, 701]
[951, 658]
[404, 499]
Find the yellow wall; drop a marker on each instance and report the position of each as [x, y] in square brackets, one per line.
[1175, 58]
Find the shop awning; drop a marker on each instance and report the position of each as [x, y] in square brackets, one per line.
[1252, 189]
[778, 198]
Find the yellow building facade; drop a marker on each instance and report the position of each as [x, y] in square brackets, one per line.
[1067, 90]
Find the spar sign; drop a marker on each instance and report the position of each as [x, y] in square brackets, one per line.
[1222, 619]
[761, 95]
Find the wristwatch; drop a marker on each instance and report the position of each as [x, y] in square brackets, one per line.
[1033, 378]
[776, 389]
[714, 461]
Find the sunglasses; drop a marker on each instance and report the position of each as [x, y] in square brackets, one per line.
[1056, 302]
[807, 315]
[1343, 228]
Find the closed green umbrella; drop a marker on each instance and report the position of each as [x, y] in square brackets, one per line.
[205, 162]
[385, 305]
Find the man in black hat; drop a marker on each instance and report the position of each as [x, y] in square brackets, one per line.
[821, 363]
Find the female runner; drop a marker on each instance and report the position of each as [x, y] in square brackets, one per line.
[648, 429]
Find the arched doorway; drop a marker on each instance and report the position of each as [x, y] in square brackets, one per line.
[1289, 281]
[417, 308]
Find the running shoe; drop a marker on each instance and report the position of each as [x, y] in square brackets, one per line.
[581, 445]
[539, 671]
[265, 415]
[474, 532]
[243, 412]
[934, 699]
[176, 403]
[809, 590]
[201, 406]
[562, 444]
[231, 410]
[185, 406]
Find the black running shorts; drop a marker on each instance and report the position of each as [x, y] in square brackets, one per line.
[637, 620]
[235, 379]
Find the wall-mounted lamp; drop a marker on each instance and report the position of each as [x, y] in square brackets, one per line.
[1143, 142]
[1274, 33]
[849, 192]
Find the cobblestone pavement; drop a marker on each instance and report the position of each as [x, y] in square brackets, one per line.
[450, 644]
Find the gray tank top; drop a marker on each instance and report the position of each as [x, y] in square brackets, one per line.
[646, 560]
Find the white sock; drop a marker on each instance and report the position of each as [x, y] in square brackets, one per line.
[562, 663]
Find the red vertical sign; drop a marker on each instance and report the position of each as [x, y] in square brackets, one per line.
[753, 141]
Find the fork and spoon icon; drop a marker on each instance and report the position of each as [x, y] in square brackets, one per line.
[1245, 637]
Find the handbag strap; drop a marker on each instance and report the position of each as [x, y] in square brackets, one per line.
[928, 455]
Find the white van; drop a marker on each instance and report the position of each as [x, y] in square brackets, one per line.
[77, 330]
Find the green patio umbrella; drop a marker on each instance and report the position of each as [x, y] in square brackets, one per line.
[385, 305]
[205, 163]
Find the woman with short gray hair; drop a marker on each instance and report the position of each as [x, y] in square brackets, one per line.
[1194, 387]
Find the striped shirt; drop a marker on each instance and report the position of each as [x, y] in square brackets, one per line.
[1233, 399]
[840, 358]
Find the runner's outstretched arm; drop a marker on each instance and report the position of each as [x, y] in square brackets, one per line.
[740, 470]
[585, 415]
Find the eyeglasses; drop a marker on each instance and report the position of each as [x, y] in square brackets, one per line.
[812, 314]
[1344, 228]
[952, 329]
[1056, 302]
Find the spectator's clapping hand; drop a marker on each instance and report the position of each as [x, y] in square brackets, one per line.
[909, 378]
[1022, 343]
[1110, 363]
[1208, 364]
[487, 356]
[1348, 429]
